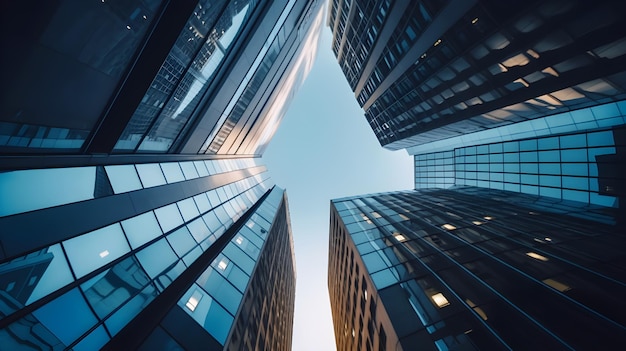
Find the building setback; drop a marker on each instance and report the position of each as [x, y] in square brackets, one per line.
[474, 269]
[134, 212]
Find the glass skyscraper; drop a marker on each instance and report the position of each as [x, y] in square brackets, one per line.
[514, 113]
[134, 213]
[474, 269]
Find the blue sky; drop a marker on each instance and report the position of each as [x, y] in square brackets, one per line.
[324, 149]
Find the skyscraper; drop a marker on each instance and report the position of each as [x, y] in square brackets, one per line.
[431, 70]
[134, 212]
[474, 269]
[517, 108]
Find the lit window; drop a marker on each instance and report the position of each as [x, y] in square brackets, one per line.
[104, 253]
[536, 256]
[448, 226]
[239, 240]
[557, 285]
[488, 218]
[376, 214]
[403, 216]
[475, 20]
[437, 42]
[440, 300]
[477, 222]
[222, 265]
[399, 237]
[365, 294]
[478, 310]
[193, 301]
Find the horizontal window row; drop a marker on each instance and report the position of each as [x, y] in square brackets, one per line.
[35, 189]
[117, 294]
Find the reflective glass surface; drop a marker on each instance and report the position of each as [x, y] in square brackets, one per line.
[95, 249]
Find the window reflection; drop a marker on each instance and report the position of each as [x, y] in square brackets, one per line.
[93, 250]
[28, 278]
[115, 286]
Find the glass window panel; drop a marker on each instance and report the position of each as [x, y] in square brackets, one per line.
[169, 217]
[530, 179]
[250, 235]
[528, 145]
[605, 111]
[67, 316]
[94, 341]
[548, 143]
[123, 178]
[198, 229]
[239, 257]
[581, 196]
[41, 188]
[597, 199]
[384, 278]
[574, 155]
[192, 256]
[573, 141]
[156, 258]
[202, 202]
[550, 181]
[33, 276]
[189, 170]
[529, 168]
[548, 156]
[551, 192]
[218, 322]
[549, 168]
[529, 189]
[222, 291]
[235, 276]
[201, 168]
[373, 262]
[511, 146]
[245, 245]
[172, 172]
[528, 156]
[111, 288]
[93, 250]
[579, 169]
[119, 319]
[212, 221]
[181, 241]
[150, 175]
[188, 209]
[600, 138]
[141, 229]
[511, 167]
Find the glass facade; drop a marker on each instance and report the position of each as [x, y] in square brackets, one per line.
[117, 270]
[575, 158]
[118, 233]
[184, 77]
[439, 69]
[472, 268]
[85, 44]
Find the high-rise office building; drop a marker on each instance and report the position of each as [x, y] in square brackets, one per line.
[473, 268]
[430, 70]
[133, 211]
[517, 107]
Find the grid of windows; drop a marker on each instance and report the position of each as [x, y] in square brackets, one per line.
[568, 167]
[494, 67]
[35, 189]
[98, 281]
[468, 261]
